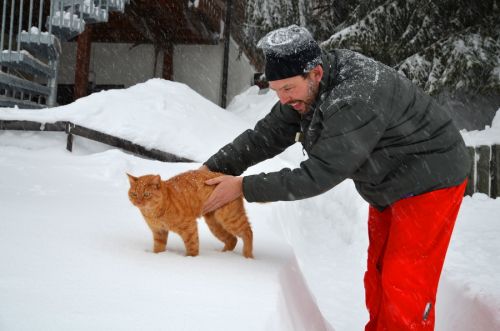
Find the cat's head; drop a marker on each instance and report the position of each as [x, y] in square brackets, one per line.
[145, 191]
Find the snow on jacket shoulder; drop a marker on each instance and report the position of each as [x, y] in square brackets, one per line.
[368, 123]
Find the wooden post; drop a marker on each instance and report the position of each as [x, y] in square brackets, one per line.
[471, 183]
[483, 170]
[495, 171]
[69, 140]
[225, 62]
[83, 63]
[168, 62]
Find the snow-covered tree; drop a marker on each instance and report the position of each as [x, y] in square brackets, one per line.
[440, 45]
[447, 47]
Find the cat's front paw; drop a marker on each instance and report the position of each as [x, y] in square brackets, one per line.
[192, 253]
[159, 250]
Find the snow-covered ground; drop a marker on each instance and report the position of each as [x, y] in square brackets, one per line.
[76, 255]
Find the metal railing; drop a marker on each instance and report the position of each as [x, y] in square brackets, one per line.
[27, 79]
[28, 65]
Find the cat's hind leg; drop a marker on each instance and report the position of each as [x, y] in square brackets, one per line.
[239, 226]
[190, 237]
[247, 235]
[160, 240]
[220, 233]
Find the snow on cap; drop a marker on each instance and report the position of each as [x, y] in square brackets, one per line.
[289, 52]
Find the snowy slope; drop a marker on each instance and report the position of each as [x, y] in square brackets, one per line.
[76, 255]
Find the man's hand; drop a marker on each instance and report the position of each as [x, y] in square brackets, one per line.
[228, 189]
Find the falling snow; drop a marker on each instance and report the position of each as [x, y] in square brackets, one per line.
[76, 255]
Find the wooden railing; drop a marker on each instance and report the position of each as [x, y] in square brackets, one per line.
[77, 130]
[484, 176]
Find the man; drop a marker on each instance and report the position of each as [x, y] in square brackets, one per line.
[359, 119]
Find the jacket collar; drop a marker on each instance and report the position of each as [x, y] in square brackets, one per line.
[327, 81]
[329, 72]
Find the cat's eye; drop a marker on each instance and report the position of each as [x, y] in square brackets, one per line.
[133, 194]
[147, 194]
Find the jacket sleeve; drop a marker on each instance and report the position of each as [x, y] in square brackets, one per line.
[350, 132]
[271, 135]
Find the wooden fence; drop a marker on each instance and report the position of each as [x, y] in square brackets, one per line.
[484, 176]
[77, 130]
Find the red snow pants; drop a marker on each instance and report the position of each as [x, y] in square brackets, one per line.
[407, 246]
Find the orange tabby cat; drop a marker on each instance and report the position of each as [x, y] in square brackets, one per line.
[175, 204]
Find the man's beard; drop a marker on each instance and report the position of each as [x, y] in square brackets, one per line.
[312, 91]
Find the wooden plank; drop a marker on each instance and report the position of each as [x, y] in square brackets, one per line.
[126, 145]
[31, 126]
[483, 169]
[471, 183]
[72, 129]
[495, 171]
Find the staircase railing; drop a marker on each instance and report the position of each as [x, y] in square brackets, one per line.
[28, 75]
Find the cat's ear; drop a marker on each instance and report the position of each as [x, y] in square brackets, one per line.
[131, 179]
[157, 181]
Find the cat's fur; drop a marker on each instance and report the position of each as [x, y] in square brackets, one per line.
[175, 204]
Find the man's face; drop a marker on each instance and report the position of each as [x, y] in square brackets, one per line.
[297, 91]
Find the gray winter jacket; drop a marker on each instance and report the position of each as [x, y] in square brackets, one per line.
[368, 123]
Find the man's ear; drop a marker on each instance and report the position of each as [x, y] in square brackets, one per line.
[317, 73]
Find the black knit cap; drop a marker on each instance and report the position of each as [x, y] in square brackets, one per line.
[289, 52]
